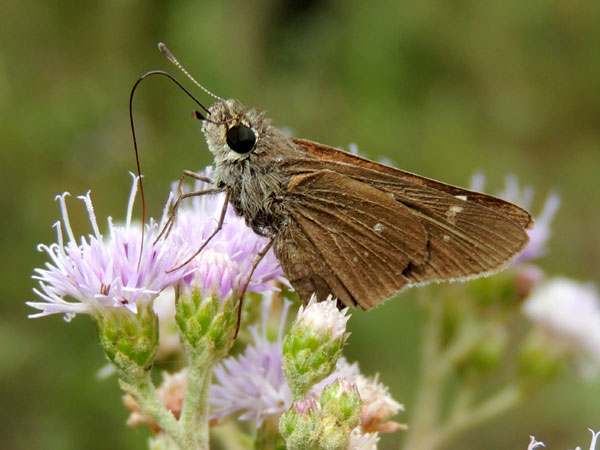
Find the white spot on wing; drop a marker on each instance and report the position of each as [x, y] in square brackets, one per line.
[452, 212]
[461, 197]
[378, 227]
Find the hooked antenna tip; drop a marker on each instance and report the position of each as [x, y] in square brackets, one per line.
[163, 48]
[165, 51]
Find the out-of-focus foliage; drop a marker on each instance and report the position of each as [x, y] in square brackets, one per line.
[441, 88]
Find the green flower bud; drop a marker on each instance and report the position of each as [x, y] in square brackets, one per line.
[539, 362]
[313, 345]
[487, 354]
[341, 400]
[206, 323]
[334, 436]
[130, 341]
[301, 425]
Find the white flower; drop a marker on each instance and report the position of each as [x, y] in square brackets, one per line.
[569, 312]
[378, 406]
[324, 318]
[535, 444]
[363, 441]
[169, 340]
[253, 383]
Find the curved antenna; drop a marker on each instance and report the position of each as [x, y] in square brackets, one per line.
[135, 147]
[165, 51]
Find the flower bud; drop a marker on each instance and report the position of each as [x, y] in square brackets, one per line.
[301, 425]
[130, 341]
[206, 301]
[314, 344]
[341, 400]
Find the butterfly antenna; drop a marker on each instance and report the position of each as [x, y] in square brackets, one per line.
[165, 51]
[139, 169]
[135, 146]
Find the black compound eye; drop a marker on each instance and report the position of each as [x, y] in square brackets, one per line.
[241, 139]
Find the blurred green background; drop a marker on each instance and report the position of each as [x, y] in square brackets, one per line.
[441, 88]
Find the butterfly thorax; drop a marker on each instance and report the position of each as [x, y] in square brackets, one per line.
[254, 193]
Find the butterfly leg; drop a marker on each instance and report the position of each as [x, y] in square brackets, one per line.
[182, 195]
[255, 264]
[215, 231]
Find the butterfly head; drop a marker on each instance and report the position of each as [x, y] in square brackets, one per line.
[232, 131]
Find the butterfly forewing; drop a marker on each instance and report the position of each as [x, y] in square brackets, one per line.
[365, 237]
[319, 156]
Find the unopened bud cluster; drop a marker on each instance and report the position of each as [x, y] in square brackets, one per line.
[313, 345]
[310, 353]
[324, 425]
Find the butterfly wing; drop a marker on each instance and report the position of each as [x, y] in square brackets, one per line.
[347, 238]
[371, 171]
[429, 231]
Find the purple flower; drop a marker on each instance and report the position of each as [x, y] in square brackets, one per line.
[99, 272]
[540, 234]
[254, 385]
[224, 265]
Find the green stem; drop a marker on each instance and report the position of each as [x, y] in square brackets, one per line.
[229, 436]
[437, 365]
[142, 390]
[494, 405]
[428, 399]
[268, 437]
[195, 411]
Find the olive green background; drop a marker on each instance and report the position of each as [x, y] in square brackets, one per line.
[442, 88]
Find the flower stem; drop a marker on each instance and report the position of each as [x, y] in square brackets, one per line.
[497, 403]
[195, 411]
[426, 412]
[142, 390]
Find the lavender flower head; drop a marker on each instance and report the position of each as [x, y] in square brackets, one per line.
[540, 234]
[223, 266]
[99, 272]
[253, 383]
